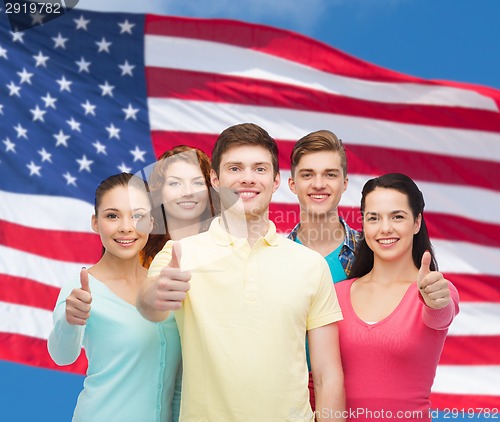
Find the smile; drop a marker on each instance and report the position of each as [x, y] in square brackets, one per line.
[387, 241]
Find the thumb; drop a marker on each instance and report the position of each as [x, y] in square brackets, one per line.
[176, 255]
[425, 267]
[84, 279]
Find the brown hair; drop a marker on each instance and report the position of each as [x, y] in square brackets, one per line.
[160, 234]
[240, 135]
[321, 140]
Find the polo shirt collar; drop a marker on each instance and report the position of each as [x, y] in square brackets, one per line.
[223, 238]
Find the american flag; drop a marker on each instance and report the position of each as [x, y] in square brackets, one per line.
[91, 94]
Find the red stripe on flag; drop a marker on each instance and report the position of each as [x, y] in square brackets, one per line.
[470, 403]
[27, 292]
[79, 247]
[217, 88]
[457, 350]
[277, 42]
[476, 287]
[33, 351]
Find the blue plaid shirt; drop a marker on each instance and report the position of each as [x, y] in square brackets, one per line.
[348, 251]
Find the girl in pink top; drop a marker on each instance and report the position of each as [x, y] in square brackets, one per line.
[397, 308]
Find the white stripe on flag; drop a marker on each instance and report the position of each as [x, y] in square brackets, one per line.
[467, 379]
[184, 53]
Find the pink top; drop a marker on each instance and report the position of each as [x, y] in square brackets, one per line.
[389, 366]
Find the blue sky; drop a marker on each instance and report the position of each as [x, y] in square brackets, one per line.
[447, 39]
[455, 40]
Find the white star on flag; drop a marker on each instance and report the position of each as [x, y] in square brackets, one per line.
[60, 41]
[9, 145]
[83, 66]
[34, 169]
[85, 163]
[64, 84]
[74, 124]
[138, 154]
[21, 132]
[100, 148]
[89, 108]
[130, 112]
[25, 76]
[38, 114]
[103, 45]
[81, 23]
[113, 131]
[14, 89]
[41, 60]
[61, 138]
[126, 26]
[126, 68]
[49, 101]
[70, 180]
[45, 155]
[107, 89]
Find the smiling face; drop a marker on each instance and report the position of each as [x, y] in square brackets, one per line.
[184, 193]
[246, 180]
[319, 182]
[123, 221]
[389, 224]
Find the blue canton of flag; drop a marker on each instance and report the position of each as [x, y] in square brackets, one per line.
[74, 112]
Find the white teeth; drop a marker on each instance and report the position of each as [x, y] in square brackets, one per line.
[247, 194]
[125, 241]
[187, 204]
[319, 196]
[387, 241]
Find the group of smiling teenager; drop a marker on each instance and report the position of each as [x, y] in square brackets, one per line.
[242, 299]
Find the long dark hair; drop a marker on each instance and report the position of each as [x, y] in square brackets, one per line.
[421, 241]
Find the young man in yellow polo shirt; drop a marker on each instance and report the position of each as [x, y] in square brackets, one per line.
[244, 298]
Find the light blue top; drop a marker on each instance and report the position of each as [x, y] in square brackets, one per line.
[134, 365]
[333, 261]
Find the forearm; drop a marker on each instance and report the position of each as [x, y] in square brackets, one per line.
[65, 340]
[330, 399]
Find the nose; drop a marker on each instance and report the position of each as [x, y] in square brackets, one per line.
[318, 182]
[385, 225]
[127, 224]
[187, 189]
[247, 176]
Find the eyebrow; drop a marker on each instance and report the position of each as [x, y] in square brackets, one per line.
[117, 210]
[392, 212]
[324, 171]
[180, 178]
[259, 163]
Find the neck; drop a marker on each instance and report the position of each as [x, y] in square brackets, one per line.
[321, 230]
[393, 271]
[248, 226]
[110, 267]
[181, 229]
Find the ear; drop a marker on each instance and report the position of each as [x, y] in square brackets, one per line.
[277, 182]
[346, 184]
[291, 185]
[214, 179]
[418, 224]
[93, 223]
[151, 225]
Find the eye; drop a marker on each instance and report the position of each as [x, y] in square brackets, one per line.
[399, 217]
[306, 175]
[331, 175]
[260, 169]
[112, 216]
[199, 183]
[173, 184]
[233, 168]
[137, 216]
[371, 218]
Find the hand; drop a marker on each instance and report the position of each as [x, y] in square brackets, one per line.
[169, 289]
[78, 302]
[432, 285]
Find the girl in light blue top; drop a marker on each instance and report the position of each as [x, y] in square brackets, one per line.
[134, 366]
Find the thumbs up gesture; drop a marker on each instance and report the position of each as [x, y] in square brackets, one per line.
[432, 285]
[165, 292]
[78, 302]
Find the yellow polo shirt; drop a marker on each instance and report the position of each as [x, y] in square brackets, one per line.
[243, 324]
